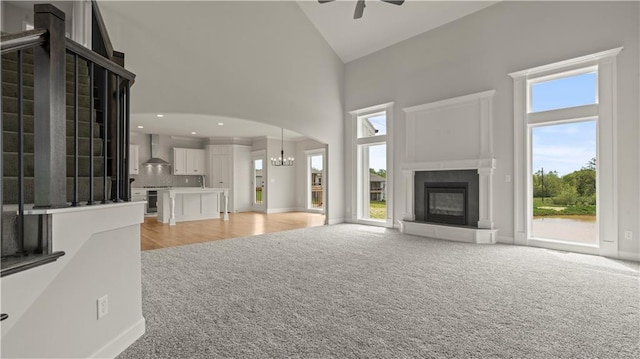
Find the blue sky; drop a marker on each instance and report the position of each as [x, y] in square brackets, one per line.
[563, 148]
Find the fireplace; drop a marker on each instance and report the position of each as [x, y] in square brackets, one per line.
[446, 202]
[457, 193]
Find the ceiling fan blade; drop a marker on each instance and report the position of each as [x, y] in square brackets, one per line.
[359, 9]
[325, 1]
[394, 2]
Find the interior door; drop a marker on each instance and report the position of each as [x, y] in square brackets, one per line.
[258, 179]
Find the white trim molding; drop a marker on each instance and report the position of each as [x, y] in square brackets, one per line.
[604, 110]
[474, 112]
[481, 105]
[358, 201]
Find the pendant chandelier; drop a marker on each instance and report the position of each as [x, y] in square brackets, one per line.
[282, 161]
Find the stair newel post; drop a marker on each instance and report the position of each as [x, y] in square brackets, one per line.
[118, 156]
[105, 142]
[122, 130]
[20, 229]
[92, 121]
[127, 133]
[75, 132]
[50, 152]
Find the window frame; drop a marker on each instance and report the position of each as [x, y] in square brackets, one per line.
[357, 199]
[604, 111]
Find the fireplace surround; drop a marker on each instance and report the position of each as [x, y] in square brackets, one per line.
[477, 177]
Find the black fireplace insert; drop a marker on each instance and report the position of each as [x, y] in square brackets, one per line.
[446, 202]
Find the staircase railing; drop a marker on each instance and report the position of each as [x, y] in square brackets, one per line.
[109, 110]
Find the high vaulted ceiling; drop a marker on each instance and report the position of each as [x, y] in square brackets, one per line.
[382, 24]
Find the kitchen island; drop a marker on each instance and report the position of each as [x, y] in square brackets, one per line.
[190, 204]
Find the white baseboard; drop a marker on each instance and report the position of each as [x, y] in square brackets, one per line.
[336, 221]
[629, 256]
[505, 240]
[118, 344]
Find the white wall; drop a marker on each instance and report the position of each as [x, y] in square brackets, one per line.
[476, 53]
[13, 14]
[261, 61]
[53, 308]
[282, 184]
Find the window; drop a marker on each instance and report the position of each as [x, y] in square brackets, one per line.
[569, 90]
[372, 178]
[564, 172]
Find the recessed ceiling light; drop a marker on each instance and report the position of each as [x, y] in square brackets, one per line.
[193, 133]
[159, 115]
[220, 123]
[140, 126]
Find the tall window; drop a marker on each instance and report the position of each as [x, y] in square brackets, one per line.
[373, 177]
[564, 189]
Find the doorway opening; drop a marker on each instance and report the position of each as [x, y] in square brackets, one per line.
[315, 180]
[258, 187]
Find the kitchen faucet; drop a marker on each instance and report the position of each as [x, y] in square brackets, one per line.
[202, 181]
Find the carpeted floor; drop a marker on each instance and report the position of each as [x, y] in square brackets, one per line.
[349, 291]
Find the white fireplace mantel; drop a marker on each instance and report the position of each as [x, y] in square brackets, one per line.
[484, 166]
[451, 134]
[484, 233]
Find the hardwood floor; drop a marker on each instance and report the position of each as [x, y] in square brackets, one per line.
[154, 234]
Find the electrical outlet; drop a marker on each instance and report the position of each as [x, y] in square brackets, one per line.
[507, 178]
[103, 306]
[628, 235]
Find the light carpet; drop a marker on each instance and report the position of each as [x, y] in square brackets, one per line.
[350, 291]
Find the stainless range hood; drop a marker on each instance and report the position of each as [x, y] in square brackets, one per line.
[155, 160]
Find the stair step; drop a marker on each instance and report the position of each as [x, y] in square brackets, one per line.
[10, 165]
[26, 54]
[12, 77]
[11, 90]
[10, 144]
[10, 106]
[10, 123]
[10, 189]
[11, 63]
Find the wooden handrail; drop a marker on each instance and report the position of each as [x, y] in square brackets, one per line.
[103, 29]
[22, 40]
[94, 57]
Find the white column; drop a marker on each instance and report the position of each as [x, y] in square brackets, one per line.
[408, 185]
[225, 216]
[485, 219]
[172, 218]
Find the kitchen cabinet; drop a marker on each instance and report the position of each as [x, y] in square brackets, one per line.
[229, 167]
[134, 159]
[188, 161]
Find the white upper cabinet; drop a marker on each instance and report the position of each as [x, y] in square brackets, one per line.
[187, 161]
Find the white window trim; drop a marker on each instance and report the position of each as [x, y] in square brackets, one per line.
[387, 108]
[606, 112]
[307, 155]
